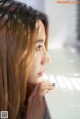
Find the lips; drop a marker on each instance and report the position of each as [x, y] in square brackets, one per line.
[40, 74]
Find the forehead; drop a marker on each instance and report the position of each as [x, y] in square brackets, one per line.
[41, 30]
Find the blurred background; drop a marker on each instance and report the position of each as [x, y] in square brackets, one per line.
[64, 48]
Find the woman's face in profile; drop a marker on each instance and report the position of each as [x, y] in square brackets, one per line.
[41, 58]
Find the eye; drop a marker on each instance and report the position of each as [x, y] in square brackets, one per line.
[39, 47]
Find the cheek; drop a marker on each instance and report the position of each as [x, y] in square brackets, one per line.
[36, 66]
[37, 61]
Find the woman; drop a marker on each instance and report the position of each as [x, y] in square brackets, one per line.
[23, 59]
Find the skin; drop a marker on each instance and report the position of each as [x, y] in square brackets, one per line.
[36, 102]
[41, 58]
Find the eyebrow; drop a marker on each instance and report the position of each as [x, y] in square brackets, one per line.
[40, 40]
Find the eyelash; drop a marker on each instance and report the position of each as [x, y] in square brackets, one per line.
[39, 47]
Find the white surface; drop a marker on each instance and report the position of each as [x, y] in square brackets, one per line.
[63, 104]
[64, 101]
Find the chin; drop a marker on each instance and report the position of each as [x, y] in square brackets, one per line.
[37, 80]
[34, 79]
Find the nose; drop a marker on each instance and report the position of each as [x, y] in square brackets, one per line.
[46, 58]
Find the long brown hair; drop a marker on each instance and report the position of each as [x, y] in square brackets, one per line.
[17, 41]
